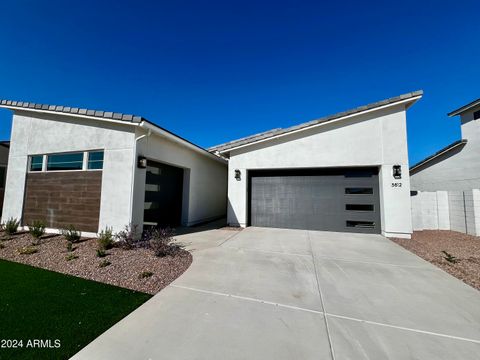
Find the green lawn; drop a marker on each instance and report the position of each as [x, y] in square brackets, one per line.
[41, 304]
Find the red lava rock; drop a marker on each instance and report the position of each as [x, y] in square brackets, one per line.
[429, 244]
[124, 271]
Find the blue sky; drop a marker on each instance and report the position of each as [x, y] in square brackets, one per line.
[216, 71]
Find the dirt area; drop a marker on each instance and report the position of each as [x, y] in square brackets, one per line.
[125, 268]
[464, 251]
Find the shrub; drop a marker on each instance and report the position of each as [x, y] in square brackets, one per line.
[145, 274]
[2, 226]
[11, 226]
[163, 243]
[37, 229]
[70, 257]
[105, 239]
[104, 263]
[27, 250]
[450, 258]
[101, 253]
[69, 246]
[71, 234]
[129, 238]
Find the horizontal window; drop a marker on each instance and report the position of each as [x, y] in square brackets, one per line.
[92, 160]
[36, 163]
[359, 207]
[72, 161]
[358, 173]
[358, 191]
[95, 160]
[360, 224]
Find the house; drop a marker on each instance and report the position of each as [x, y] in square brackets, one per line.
[95, 169]
[457, 166]
[4, 146]
[446, 184]
[346, 172]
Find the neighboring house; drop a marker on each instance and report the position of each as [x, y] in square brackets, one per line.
[4, 145]
[95, 169]
[346, 172]
[446, 185]
[457, 166]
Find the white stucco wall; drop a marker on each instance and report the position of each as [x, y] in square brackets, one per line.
[205, 179]
[374, 139]
[47, 133]
[205, 183]
[456, 170]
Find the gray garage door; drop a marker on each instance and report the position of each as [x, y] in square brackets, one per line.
[342, 199]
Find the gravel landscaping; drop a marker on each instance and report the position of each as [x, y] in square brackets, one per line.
[462, 250]
[137, 269]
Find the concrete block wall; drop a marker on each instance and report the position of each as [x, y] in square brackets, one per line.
[447, 210]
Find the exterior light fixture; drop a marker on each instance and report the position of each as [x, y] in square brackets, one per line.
[238, 175]
[397, 171]
[142, 162]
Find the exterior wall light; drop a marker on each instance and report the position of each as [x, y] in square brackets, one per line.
[397, 171]
[238, 175]
[142, 162]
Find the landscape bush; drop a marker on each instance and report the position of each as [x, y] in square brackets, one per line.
[71, 234]
[105, 239]
[11, 226]
[104, 263]
[129, 238]
[163, 243]
[27, 250]
[145, 274]
[70, 257]
[101, 253]
[37, 229]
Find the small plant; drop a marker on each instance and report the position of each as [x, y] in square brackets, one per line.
[11, 226]
[70, 257]
[71, 234]
[27, 250]
[105, 239]
[450, 258]
[163, 243]
[101, 253]
[2, 226]
[129, 238]
[145, 274]
[69, 246]
[37, 229]
[104, 263]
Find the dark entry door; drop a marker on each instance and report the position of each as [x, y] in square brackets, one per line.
[163, 195]
[343, 199]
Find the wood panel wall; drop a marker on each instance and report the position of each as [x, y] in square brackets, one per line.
[64, 198]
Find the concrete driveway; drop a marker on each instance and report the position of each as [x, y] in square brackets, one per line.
[292, 294]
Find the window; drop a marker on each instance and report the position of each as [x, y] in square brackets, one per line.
[72, 161]
[359, 207]
[95, 160]
[36, 163]
[358, 191]
[476, 115]
[360, 224]
[3, 173]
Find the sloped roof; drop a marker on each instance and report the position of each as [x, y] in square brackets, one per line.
[464, 108]
[445, 150]
[71, 110]
[101, 115]
[275, 132]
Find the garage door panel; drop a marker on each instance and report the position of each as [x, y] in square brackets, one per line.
[336, 201]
